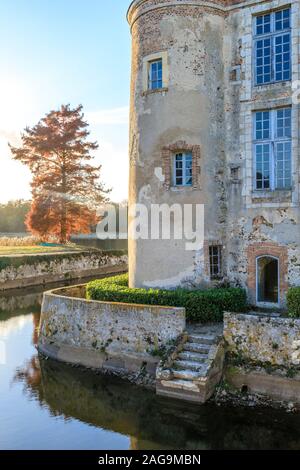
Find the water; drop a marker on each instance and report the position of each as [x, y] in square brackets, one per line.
[46, 405]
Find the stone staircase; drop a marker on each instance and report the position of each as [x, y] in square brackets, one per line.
[195, 367]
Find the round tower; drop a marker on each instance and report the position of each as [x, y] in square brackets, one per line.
[176, 128]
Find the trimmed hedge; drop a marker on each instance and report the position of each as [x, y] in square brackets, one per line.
[201, 305]
[293, 302]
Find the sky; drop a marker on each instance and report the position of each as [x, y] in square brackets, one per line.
[57, 52]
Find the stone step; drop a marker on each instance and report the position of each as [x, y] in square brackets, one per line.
[188, 365]
[196, 347]
[202, 339]
[186, 374]
[192, 356]
[178, 384]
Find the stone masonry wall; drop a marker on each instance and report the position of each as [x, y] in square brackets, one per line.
[263, 339]
[21, 271]
[105, 334]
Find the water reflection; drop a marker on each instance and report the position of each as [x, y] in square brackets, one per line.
[15, 304]
[154, 422]
[61, 394]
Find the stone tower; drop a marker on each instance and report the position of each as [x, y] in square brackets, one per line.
[214, 121]
[181, 114]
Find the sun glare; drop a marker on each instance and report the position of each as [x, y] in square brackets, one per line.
[16, 107]
[15, 104]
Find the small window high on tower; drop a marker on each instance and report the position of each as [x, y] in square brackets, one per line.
[155, 75]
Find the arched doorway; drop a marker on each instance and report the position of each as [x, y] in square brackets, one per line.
[267, 279]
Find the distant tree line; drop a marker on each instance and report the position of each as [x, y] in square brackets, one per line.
[13, 215]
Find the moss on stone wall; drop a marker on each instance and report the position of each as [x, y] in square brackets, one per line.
[30, 260]
[293, 302]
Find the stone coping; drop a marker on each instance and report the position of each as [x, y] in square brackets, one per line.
[47, 253]
[262, 316]
[59, 292]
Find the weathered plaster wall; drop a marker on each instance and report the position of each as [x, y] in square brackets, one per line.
[103, 334]
[263, 339]
[21, 271]
[208, 102]
[190, 110]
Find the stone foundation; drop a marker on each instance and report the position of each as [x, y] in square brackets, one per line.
[272, 385]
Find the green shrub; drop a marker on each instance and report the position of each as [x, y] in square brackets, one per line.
[201, 305]
[293, 302]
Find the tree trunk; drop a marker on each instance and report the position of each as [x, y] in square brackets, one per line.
[63, 221]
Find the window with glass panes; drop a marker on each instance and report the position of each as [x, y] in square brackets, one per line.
[272, 44]
[155, 75]
[183, 169]
[215, 254]
[273, 149]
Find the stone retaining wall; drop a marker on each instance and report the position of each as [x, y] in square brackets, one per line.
[30, 270]
[106, 335]
[263, 338]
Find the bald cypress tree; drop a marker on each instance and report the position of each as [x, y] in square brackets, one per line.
[66, 187]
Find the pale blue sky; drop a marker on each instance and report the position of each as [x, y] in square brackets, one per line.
[65, 51]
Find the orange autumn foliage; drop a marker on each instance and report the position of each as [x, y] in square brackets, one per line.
[66, 189]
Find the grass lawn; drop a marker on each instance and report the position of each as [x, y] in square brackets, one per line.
[35, 249]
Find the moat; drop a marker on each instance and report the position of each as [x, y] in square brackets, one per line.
[47, 405]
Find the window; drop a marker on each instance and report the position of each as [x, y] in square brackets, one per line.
[155, 74]
[273, 149]
[215, 258]
[183, 169]
[272, 45]
[235, 173]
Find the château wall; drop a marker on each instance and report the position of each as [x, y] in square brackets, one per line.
[207, 102]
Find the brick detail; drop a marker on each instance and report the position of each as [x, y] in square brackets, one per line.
[139, 8]
[167, 157]
[257, 250]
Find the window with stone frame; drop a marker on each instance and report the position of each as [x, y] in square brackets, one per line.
[273, 149]
[183, 169]
[155, 76]
[215, 261]
[272, 47]
[155, 72]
